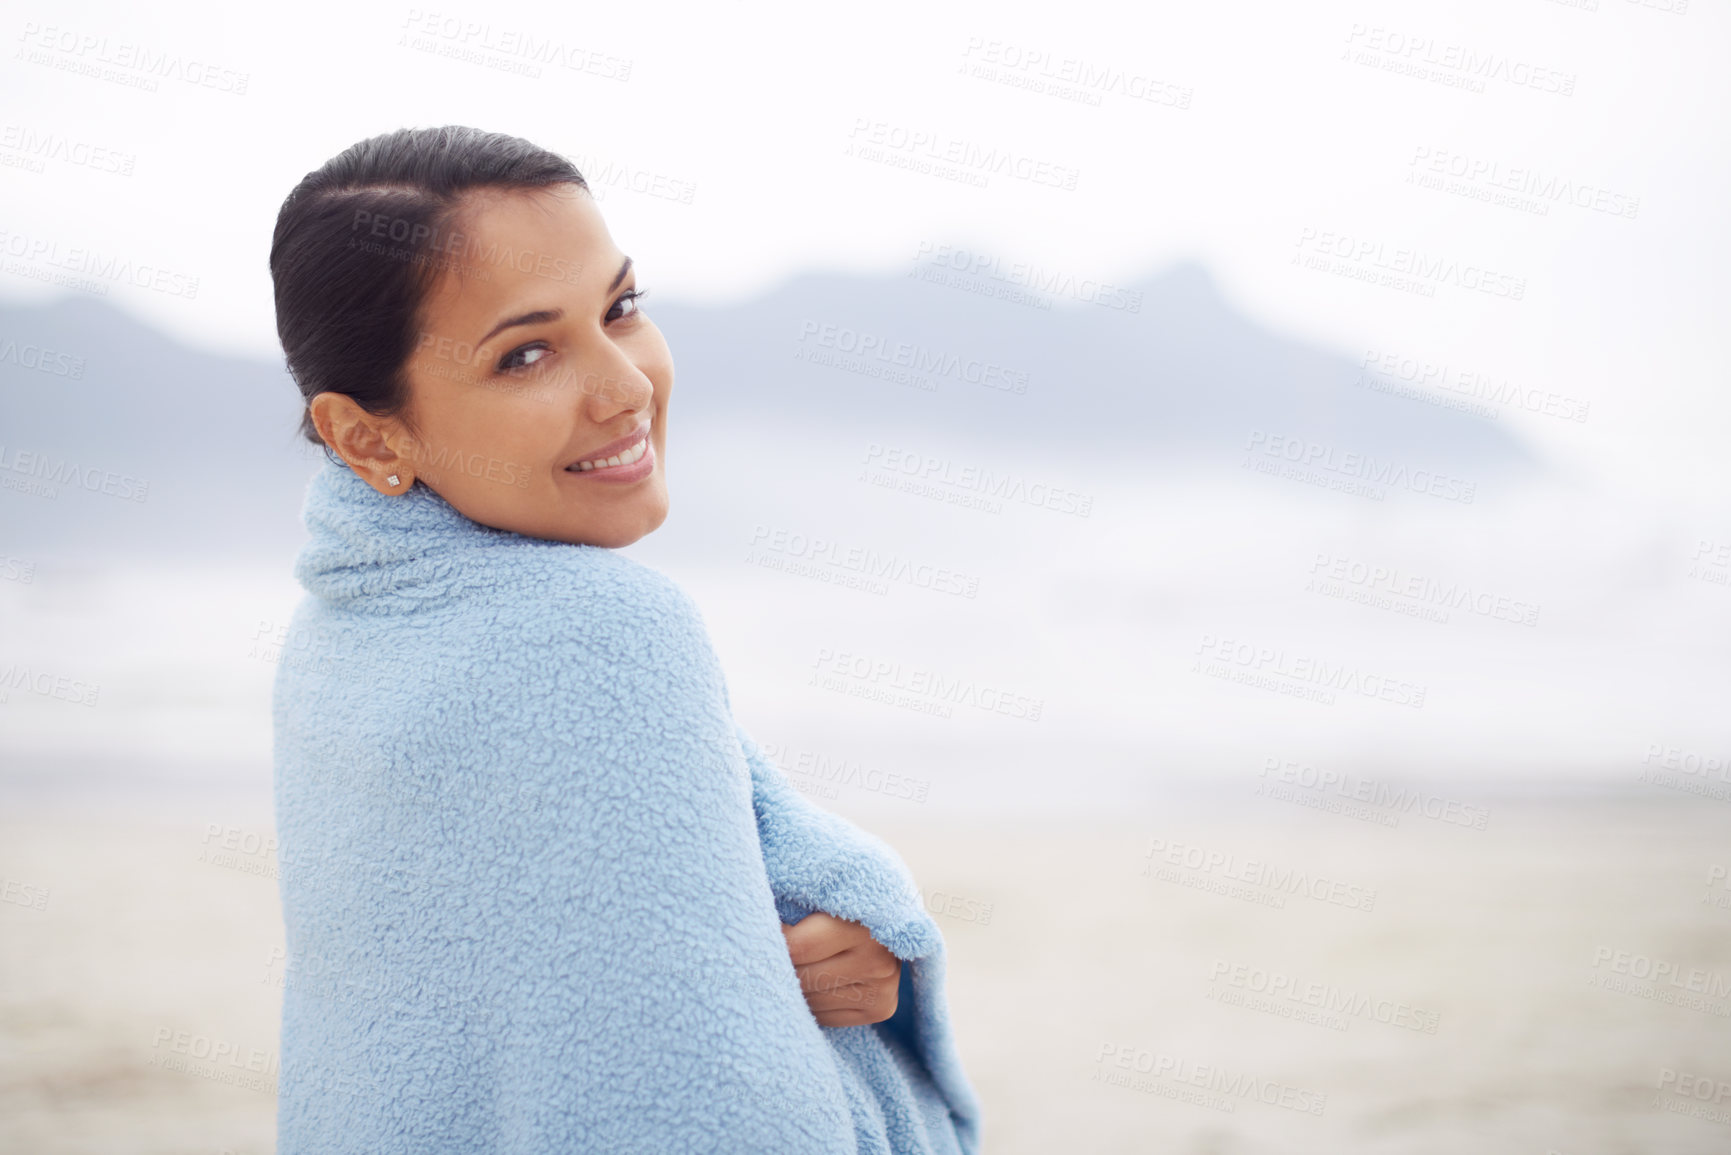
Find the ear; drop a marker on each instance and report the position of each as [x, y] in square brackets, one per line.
[368, 443]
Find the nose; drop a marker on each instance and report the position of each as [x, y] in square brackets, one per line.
[618, 387]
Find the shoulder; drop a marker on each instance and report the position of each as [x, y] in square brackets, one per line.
[590, 598]
[538, 578]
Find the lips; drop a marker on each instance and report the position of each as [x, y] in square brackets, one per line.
[615, 454]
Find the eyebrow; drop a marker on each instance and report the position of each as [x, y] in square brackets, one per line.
[541, 316]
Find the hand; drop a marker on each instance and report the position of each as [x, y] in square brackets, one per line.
[849, 978]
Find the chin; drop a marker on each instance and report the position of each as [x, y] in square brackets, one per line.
[659, 516]
[617, 537]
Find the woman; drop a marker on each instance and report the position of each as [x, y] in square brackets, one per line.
[542, 893]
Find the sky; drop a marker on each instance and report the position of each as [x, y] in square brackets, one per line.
[1543, 184]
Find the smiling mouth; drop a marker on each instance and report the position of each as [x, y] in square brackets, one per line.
[624, 457]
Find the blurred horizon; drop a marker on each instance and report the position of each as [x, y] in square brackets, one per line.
[1119, 487]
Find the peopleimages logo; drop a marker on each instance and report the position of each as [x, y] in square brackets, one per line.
[1300, 675]
[932, 261]
[28, 356]
[1402, 266]
[1690, 771]
[867, 563]
[1699, 1096]
[882, 677]
[507, 48]
[926, 471]
[1423, 57]
[1661, 980]
[1285, 880]
[45, 469]
[443, 460]
[89, 54]
[1068, 76]
[1227, 1085]
[19, 893]
[64, 687]
[837, 771]
[1326, 997]
[913, 357]
[1390, 372]
[1388, 587]
[1356, 468]
[1384, 795]
[215, 1060]
[1493, 176]
[38, 147]
[41, 254]
[873, 139]
[424, 243]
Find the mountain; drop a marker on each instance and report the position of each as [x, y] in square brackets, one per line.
[934, 356]
[1184, 372]
[211, 436]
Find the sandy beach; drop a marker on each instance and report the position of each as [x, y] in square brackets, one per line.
[1237, 974]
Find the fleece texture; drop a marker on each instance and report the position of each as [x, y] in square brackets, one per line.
[533, 872]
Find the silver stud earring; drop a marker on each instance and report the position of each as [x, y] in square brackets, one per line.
[392, 479]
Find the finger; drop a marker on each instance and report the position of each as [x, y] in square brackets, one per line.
[819, 936]
[854, 965]
[850, 1018]
[820, 978]
[853, 1006]
[857, 997]
[837, 997]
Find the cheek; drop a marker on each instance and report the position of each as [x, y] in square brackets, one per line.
[539, 434]
[510, 423]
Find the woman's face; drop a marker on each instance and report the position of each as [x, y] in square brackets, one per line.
[533, 370]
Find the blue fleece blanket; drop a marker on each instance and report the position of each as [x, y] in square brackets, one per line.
[533, 872]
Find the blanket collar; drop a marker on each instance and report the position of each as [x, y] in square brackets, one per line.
[394, 553]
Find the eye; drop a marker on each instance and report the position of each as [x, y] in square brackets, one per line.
[628, 297]
[515, 358]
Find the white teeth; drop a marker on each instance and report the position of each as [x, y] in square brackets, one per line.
[626, 458]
